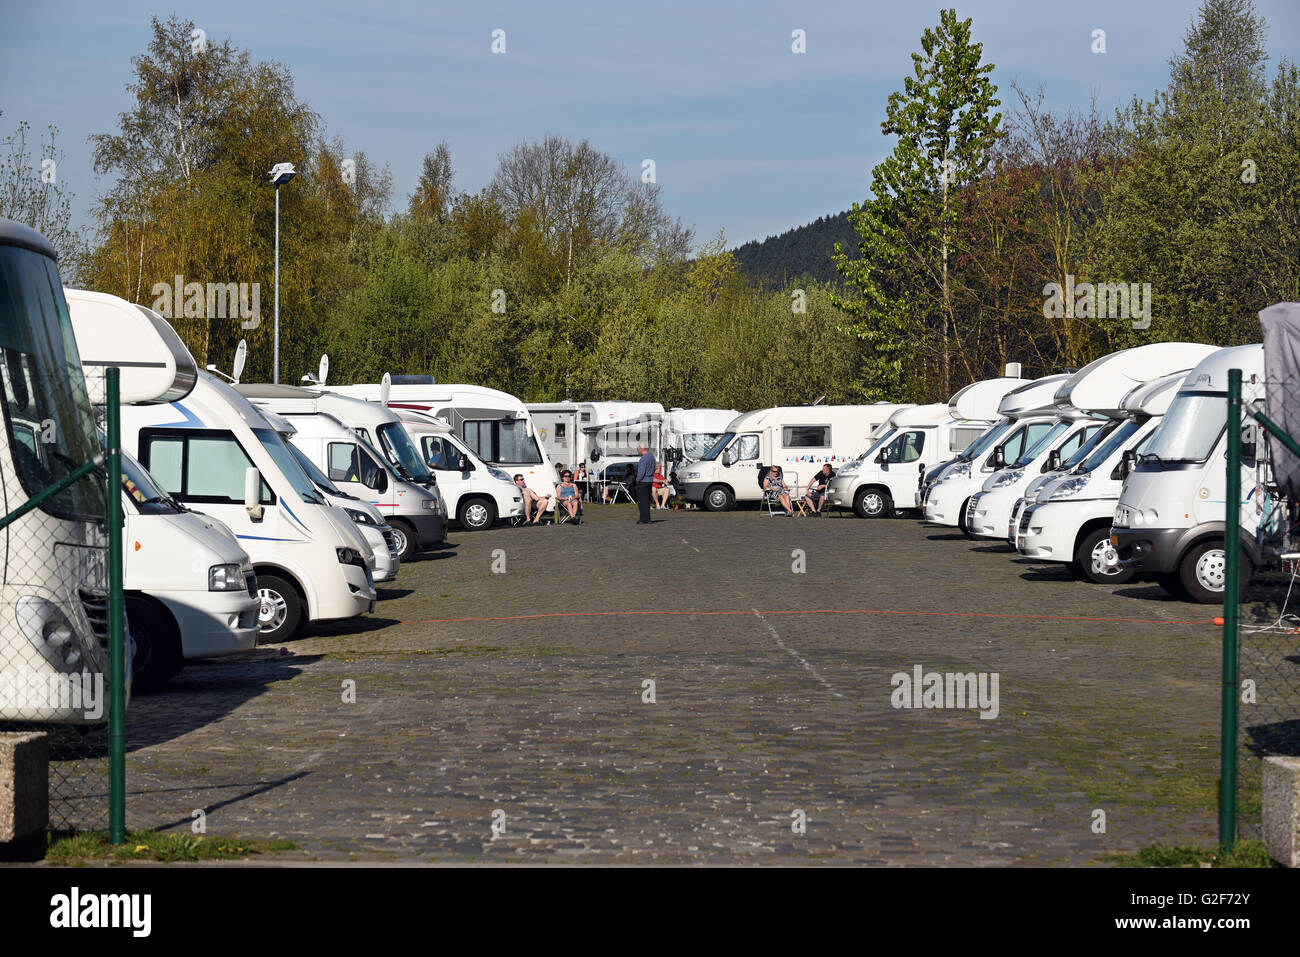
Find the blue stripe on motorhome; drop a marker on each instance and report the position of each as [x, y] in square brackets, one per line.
[190, 421]
[295, 517]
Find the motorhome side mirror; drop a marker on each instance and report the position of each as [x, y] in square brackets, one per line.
[253, 493]
[999, 457]
[1054, 460]
[465, 464]
[882, 456]
[727, 459]
[1129, 463]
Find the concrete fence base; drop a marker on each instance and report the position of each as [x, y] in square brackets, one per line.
[1282, 810]
[24, 785]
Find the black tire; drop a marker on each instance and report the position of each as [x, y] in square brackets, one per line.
[476, 514]
[1172, 584]
[281, 611]
[157, 644]
[405, 536]
[873, 502]
[718, 498]
[1090, 557]
[1202, 568]
[961, 521]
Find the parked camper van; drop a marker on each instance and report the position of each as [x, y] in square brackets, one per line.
[207, 604]
[214, 451]
[344, 436]
[494, 425]
[688, 434]
[54, 590]
[1026, 414]
[598, 433]
[1169, 521]
[1068, 519]
[475, 492]
[800, 439]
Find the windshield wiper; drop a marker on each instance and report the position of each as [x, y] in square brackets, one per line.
[1151, 455]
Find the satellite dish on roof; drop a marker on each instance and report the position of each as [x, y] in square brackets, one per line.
[385, 386]
[241, 356]
[318, 377]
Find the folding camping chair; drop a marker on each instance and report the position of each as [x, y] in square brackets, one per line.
[562, 515]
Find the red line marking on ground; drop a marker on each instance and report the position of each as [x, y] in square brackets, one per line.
[811, 611]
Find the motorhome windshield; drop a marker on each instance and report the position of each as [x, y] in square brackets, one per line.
[402, 453]
[1191, 427]
[1080, 455]
[284, 461]
[1041, 446]
[875, 445]
[1117, 440]
[46, 409]
[985, 441]
[696, 445]
[148, 498]
[718, 446]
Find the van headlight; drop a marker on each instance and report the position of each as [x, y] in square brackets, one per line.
[690, 476]
[49, 631]
[960, 470]
[350, 556]
[431, 504]
[360, 517]
[496, 473]
[1068, 488]
[1005, 478]
[226, 578]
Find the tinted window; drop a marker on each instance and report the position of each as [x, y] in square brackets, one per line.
[806, 436]
[205, 466]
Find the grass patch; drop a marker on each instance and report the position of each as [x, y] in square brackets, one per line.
[154, 846]
[1244, 854]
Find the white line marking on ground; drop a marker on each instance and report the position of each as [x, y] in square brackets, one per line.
[794, 654]
[693, 548]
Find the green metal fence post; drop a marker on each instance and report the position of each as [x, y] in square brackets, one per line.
[1231, 552]
[116, 619]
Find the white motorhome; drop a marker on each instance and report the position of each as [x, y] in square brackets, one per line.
[597, 433]
[883, 479]
[343, 436]
[495, 425]
[370, 523]
[1088, 401]
[1068, 519]
[800, 439]
[214, 451]
[688, 434]
[977, 402]
[201, 608]
[475, 492]
[54, 633]
[1026, 414]
[1169, 521]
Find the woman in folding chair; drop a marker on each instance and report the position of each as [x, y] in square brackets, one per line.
[775, 490]
[568, 504]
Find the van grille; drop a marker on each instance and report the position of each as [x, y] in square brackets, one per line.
[96, 608]
[970, 509]
[1024, 520]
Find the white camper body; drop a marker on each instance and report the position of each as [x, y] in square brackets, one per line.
[202, 607]
[476, 493]
[883, 479]
[800, 439]
[1068, 519]
[689, 434]
[1169, 521]
[368, 520]
[344, 437]
[1027, 413]
[494, 425]
[1086, 402]
[597, 433]
[54, 632]
[214, 451]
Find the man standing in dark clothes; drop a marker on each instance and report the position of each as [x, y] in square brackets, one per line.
[645, 476]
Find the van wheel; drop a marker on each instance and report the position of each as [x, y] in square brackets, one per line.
[1203, 569]
[157, 645]
[404, 538]
[873, 503]
[961, 521]
[477, 514]
[718, 498]
[280, 611]
[1096, 558]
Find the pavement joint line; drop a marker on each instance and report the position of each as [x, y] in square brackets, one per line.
[794, 654]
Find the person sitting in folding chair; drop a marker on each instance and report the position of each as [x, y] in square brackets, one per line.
[568, 506]
[815, 497]
[534, 504]
[775, 490]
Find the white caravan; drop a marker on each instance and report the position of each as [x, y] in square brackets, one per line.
[202, 608]
[54, 632]
[977, 403]
[1026, 414]
[370, 523]
[213, 450]
[1068, 519]
[800, 439]
[883, 479]
[494, 425]
[343, 436]
[688, 434]
[1169, 522]
[1086, 402]
[573, 432]
[475, 492]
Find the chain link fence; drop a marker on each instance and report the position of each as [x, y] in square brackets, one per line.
[55, 671]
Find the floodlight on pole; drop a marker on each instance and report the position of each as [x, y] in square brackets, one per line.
[280, 174]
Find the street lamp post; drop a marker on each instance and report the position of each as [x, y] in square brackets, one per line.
[280, 174]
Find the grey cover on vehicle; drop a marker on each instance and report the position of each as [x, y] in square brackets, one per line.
[1281, 322]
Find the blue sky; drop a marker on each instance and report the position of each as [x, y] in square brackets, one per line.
[746, 135]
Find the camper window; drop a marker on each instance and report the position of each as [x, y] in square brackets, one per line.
[746, 447]
[440, 453]
[502, 441]
[198, 466]
[806, 436]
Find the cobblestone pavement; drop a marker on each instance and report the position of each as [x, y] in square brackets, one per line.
[521, 692]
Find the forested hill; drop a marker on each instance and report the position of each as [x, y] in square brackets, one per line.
[798, 254]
